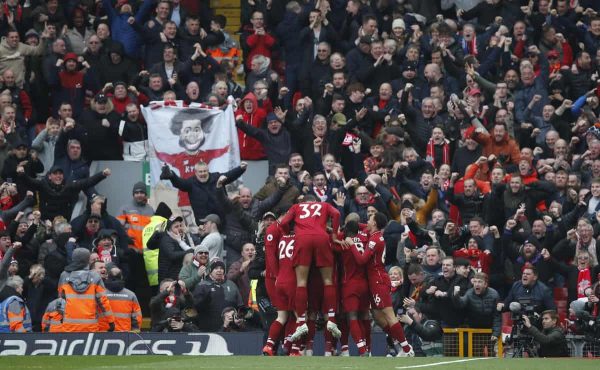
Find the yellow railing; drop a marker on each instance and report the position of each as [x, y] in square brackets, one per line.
[478, 343]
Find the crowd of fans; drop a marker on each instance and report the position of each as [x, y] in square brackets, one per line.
[471, 124]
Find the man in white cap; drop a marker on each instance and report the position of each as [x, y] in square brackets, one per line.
[193, 273]
[213, 241]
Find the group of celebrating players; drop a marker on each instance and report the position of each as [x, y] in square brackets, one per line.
[298, 290]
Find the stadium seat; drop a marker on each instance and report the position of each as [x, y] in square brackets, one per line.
[560, 293]
[506, 320]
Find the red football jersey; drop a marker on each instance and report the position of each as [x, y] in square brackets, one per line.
[311, 218]
[285, 256]
[373, 258]
[272, 236]
[352, 269]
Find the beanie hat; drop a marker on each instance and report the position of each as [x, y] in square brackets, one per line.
[407, 204]
[533, 241]
[139, 187]
[70, 56]
[272, 117]
[594, 130]
[399, 22]
[163, 210]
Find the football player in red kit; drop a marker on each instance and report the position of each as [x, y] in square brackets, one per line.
[355, 289]
[380, 284]
[312, 244]
[273, 234]
[285, 286]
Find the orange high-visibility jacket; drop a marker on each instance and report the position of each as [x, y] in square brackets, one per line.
[135, 222]
[53, 317]
[125, 309]
[84, 293]
[14, 316]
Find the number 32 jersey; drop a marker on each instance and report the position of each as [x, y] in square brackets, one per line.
[311, 218]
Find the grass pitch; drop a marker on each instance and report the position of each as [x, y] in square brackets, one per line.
[286, 363]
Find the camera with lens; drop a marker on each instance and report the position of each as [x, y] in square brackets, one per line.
[522, 343]
[523, 307]
[244, 313]
[177, 289]
[588, 325]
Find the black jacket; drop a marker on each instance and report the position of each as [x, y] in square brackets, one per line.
[552, 342]
[170, 257]
[210, 298]
[59, 200]
[101, 143]
[9, 171]
[277, 147]
[202, 195]
[442, 307]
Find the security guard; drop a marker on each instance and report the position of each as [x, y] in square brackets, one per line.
[84, 293]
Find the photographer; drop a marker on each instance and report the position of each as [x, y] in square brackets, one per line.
[175, 323]
[213, 294]
[231, 320]
[551, 339]
[172, 295]
[423, 334]
[593, 303]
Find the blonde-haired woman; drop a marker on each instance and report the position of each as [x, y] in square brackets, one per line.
[38, 291]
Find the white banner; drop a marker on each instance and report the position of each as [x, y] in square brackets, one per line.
[183, 136]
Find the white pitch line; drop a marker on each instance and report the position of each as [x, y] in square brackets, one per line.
[444, 363]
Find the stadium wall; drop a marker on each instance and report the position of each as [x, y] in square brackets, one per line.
[125, 174]
[126, 344]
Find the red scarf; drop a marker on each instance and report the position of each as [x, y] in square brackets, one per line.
[369, 201]
[473, 46]
[584, 281]
[18, 13]
[431, 153]
[6, 202]
[321, 193]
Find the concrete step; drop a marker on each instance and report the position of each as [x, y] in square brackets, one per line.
[232, 15]
[215, 4]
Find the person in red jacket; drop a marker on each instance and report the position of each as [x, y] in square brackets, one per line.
[122, 95]
[251, 114]
[259, 41]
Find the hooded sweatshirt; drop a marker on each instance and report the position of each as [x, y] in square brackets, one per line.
[250, 148]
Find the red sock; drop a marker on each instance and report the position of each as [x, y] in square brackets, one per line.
[274, 333]
[290, 327]
[356, 331]
[329, 302]
[345, 332]
[397, 333]
[366, 331]
[301, 303]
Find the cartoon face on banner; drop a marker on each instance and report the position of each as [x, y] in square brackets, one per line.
[192, 128]
[184, 136]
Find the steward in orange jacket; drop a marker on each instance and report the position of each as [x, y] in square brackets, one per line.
[53, 317]
[124, 304]
[136, 215]
[14, 315]
[84, 294]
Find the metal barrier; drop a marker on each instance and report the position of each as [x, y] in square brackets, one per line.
[580, 346]
[477, 343]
